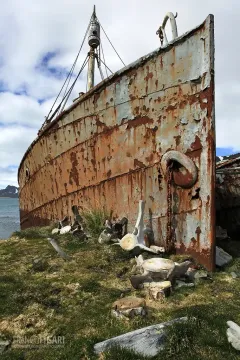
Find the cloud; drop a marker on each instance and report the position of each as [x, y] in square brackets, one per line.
[39, 41]
[14, 141]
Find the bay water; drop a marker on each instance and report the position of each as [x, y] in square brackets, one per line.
[9, 217]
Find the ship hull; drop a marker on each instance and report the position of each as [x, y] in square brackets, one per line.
[106, 150]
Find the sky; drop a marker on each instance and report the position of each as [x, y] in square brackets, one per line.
[39, 41]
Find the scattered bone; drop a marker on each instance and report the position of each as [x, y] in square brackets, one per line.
[138, 230]
[129, 307]
[158, 290]
[148, 341]
[113, 232]
[158, 268]
[65, 229]
[157, 249]
[233, 334]
[63, 222]
[55, 231]
[179, 284]
[141, 238]
[58, 249]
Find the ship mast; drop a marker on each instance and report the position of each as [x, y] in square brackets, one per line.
[93, 42]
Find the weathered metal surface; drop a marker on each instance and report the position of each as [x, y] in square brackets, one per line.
[228, 195]
[106, 149]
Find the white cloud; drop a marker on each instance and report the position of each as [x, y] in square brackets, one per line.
[14, 141]
[31, 29]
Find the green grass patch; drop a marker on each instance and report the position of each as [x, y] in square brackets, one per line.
[74, 298]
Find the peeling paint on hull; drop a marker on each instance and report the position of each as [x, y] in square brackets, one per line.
[107, 148]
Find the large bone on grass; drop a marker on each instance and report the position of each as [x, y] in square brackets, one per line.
[130, 242]
[58, 249]
[148, 341]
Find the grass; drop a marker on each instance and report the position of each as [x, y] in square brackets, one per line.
[73, 299]
[94, 220]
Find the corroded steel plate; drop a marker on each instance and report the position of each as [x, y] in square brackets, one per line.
[106, 149]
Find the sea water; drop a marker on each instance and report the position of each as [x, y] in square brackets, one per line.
[9, 217]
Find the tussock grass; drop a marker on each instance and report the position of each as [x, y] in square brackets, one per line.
[94, 220]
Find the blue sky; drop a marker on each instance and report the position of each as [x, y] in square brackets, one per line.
[40, 39]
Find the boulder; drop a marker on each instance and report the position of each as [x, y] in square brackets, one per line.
[222, 257]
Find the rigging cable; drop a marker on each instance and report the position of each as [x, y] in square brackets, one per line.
[99, 64]
[101, 48]
[106, 66]
[70, 72]
[111, 43]
[73, 84]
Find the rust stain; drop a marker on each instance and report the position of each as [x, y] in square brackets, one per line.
[110, 142]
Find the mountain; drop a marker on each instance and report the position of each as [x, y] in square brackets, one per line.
[10, 191]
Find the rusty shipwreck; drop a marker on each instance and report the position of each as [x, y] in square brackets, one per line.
[146, 132]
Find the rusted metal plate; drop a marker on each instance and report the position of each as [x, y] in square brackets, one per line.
[106, 149]
[228, 195]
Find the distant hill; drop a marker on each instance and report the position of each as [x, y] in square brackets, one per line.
[10, 191]
[228, 157]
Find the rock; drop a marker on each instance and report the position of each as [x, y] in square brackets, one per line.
[137, 281]
[222, 257]
[65, 229]
[39, 265]
[201, 274]
[56, 231]
[129, 307]
[180, 269]
[235, 275]
[190, 274]
[221, 234]
[148, 341]
[179, 284]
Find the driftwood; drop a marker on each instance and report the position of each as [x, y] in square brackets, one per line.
[148, 341]
[58, 249]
